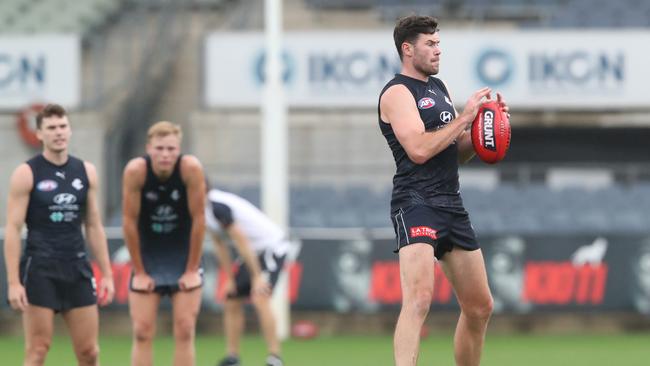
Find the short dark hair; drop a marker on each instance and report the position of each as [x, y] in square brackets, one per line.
[410, 27]
[49, 111]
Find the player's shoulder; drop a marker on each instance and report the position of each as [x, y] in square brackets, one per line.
[396, 92]
[135, 172]
[190, 162]
[135, 165]
[216, 195]
[22, 174]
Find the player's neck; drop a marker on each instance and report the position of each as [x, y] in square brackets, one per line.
[56, 157]
[411, 72]
[162, 175]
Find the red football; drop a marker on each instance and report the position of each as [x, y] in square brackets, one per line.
[304, 329]
[491, 133]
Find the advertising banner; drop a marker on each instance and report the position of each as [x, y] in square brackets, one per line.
[527, 274]
[533, 69]
[40, 69]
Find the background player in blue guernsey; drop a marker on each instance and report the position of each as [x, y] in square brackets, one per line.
[164, 225]
[428, 139]
[54, 193]
[262, 247]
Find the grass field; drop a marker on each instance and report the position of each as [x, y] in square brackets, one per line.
[575, 350]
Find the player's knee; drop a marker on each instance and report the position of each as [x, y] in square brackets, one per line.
[37, 351]
[420, 302]
[260, 301]
[143, 331]
[184, 329]
[88, 355]
[480, 310]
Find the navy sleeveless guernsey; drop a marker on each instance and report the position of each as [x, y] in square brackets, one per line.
[434, 183]
[164, 225]
[56, 209]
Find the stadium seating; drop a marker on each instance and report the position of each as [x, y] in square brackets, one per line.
[526, 13]
[55, 16]
[525, 209]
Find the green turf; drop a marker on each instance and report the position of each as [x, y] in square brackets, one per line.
[515, 350]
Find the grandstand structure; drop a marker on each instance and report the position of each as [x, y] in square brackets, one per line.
[142, 60]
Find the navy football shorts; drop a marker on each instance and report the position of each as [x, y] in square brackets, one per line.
[271, 265]
[58, 284]
[440, 227]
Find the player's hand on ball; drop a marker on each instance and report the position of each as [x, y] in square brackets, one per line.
[190, 280]
[142, 282]
[491, 130]
[504, 105]
[106, 291]
[474, 103]
[17, 297]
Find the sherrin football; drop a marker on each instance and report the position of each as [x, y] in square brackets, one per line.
[491, 133]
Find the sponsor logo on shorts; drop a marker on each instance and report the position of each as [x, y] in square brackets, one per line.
[47, 185]
[419, 231]
[426, 103]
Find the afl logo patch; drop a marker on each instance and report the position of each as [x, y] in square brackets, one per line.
[65, 199]
[426, 103]
[47, 185]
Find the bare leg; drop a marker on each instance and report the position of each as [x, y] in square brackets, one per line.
[186, 306]
[466, 272]
[38, 326]
[83, 324]
[416, 271]
[233, 325]
[143, 309]
[262, 305]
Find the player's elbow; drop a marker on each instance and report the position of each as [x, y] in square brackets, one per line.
[418, 156]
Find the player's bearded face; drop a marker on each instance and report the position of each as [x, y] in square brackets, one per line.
[426, 54]
[55, 133]
[164, 151]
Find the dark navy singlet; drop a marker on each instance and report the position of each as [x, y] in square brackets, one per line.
[56, 209]
[164, 225]
[434, 183]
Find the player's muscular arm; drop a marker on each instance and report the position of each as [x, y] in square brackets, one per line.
[223, 254]
[97, 237]
[464, 140]
[20, 185]
[244, 249]
[465, 148]
[192, 173]
[260, 286]
[399, 109]
[132, 183]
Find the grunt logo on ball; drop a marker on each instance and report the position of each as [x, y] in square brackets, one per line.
[488, 130]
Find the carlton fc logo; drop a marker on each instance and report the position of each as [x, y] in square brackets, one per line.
[426, 103]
